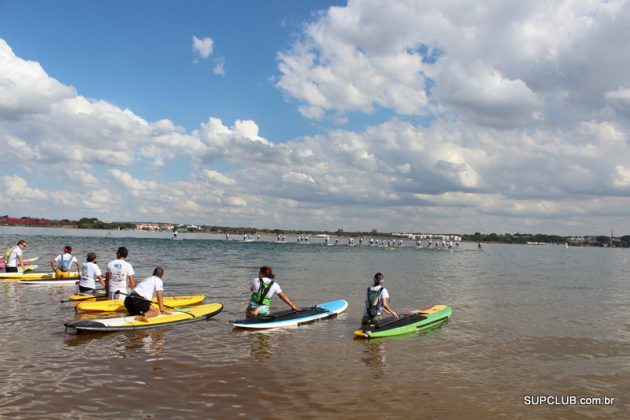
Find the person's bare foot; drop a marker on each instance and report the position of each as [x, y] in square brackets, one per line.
[142, 318]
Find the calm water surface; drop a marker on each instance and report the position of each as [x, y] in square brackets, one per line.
[527, 320]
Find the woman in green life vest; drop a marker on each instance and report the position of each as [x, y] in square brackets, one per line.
[263, 288]
[377, 301]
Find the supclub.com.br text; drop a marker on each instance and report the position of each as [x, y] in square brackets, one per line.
[566, 400]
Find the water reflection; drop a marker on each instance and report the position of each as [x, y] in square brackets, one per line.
[375, 348]
[149, 341]
[260, 346]
[374, 358]
[73, 339]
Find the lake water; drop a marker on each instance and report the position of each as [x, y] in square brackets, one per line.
[527, 321]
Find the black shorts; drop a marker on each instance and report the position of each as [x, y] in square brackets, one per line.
[84, 289]
[137, 305]
[11, 269]
[366, 320]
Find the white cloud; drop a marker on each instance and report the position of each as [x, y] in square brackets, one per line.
[524, 125]
[622, 179]
[25, 88]
[297, 177]
[81, 178]
[134, 186]
[203, 47]
[494, 65]
[218, 178]
[622, 95]
[219, 67]
[17, 188]
[235, 202]
[485, 96]
[249, 129]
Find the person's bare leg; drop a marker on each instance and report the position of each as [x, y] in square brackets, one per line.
[152, 312]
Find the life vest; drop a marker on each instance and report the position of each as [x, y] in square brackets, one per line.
[7, 255]
[64, 265]
[374, 301]
[260, 297]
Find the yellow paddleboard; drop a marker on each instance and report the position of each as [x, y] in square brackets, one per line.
[130, 323]
[119, 306]
[36, 276]
[87, 296]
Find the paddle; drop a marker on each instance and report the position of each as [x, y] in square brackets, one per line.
[86, 296]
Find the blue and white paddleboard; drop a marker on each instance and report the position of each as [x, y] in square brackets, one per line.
[294, 318]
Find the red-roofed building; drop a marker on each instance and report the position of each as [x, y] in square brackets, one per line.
[29, 221]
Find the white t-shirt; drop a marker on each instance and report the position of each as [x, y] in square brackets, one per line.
[255, 284]
[119, 270]
[13, 257]
[66, 257]
[148, 287]
[89, 273]
[379, 306]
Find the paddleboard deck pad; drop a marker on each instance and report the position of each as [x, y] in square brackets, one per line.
[130, 323]
[294, 318]
[409, 322]
[119, 305]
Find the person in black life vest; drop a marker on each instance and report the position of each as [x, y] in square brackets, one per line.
[263, 288]
[377, 301]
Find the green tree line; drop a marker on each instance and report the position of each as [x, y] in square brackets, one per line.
[94, 223]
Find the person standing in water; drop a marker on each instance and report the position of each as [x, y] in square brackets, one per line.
[118, 273]
[61, 263]
[263, 288]
[90, 274]
[377, 301]
[14, 258]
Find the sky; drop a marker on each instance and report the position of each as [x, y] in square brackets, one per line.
[415, 116]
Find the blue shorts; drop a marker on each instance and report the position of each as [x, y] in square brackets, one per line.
[254, 309]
